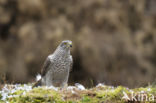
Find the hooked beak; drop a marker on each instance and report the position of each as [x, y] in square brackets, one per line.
[70, 44]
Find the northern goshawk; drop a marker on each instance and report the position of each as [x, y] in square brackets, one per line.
[56, 68]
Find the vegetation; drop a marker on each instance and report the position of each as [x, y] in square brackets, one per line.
[72, 94]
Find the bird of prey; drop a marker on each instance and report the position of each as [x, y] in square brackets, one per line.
[56, 68]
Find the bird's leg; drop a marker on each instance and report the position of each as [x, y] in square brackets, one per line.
[65, 83]
[48, 80]
[64, 86]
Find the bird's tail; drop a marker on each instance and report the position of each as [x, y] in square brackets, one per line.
[38, 81]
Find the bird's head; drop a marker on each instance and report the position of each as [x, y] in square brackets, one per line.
[66, 44]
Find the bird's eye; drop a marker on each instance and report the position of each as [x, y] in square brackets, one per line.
[65, 43]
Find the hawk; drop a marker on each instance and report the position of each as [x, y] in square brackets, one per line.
[56, 68]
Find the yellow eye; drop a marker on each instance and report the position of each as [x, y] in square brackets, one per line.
[65, 43]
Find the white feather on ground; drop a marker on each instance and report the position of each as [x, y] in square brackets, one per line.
[79, 86]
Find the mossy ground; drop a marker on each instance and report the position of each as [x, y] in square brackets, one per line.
[99, 94]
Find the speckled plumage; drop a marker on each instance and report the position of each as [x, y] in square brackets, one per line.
[55, 71]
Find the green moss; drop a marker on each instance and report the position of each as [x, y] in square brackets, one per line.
[94, 95]
[0, 96]
[86, 99]
[110, 94]
[38, 95]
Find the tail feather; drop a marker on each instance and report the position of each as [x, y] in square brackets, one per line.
[38, 83]
[38, 77]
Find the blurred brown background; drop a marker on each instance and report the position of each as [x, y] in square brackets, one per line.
[114, 41]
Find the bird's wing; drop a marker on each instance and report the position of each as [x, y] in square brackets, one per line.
[45, 67]
[71, 65]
